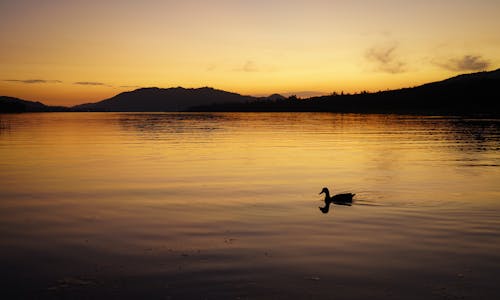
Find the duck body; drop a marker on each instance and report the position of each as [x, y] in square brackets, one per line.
[341, 199]
[347, 198]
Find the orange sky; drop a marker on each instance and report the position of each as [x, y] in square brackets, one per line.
[70, 52]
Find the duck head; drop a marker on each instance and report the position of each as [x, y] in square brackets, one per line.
[324, 190]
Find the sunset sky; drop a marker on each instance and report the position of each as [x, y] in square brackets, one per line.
[74, 51]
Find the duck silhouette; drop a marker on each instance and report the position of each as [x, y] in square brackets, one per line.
[339, 199]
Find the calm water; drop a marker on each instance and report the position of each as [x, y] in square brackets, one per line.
[211, 206]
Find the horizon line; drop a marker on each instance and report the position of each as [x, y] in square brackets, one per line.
[262, 95]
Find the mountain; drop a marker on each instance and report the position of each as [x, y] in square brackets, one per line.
[15, 105]
[171, 99]
[274, 97]
[476, 93]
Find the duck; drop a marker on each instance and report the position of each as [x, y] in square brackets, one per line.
[341, 199]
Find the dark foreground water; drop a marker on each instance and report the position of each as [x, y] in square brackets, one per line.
[225, 206]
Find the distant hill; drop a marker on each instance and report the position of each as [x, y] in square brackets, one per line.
[274, 97]
[171, 99]
[477, 93]
[15, 105]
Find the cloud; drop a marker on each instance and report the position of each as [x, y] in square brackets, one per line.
[88, 83]
[249, 67]
[129, 86]
[465, 63]
[31, 81]
[385, 59]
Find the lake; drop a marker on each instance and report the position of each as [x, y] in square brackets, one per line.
[225, 206]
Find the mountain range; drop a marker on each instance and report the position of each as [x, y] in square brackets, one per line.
[171, 99]
[14, 105]
[463, 94]
[476, 93]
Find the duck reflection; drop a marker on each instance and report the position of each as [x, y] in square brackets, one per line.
[339, 199]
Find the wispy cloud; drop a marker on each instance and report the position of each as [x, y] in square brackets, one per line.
[466, 63]
[32, 81]
[210, 68]
[88, 83]
[129, 86]
[385, 59]
[249, 67]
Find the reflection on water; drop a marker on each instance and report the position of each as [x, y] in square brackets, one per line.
[225, 206]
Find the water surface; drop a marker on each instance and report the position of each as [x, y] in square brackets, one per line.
[222, 205]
